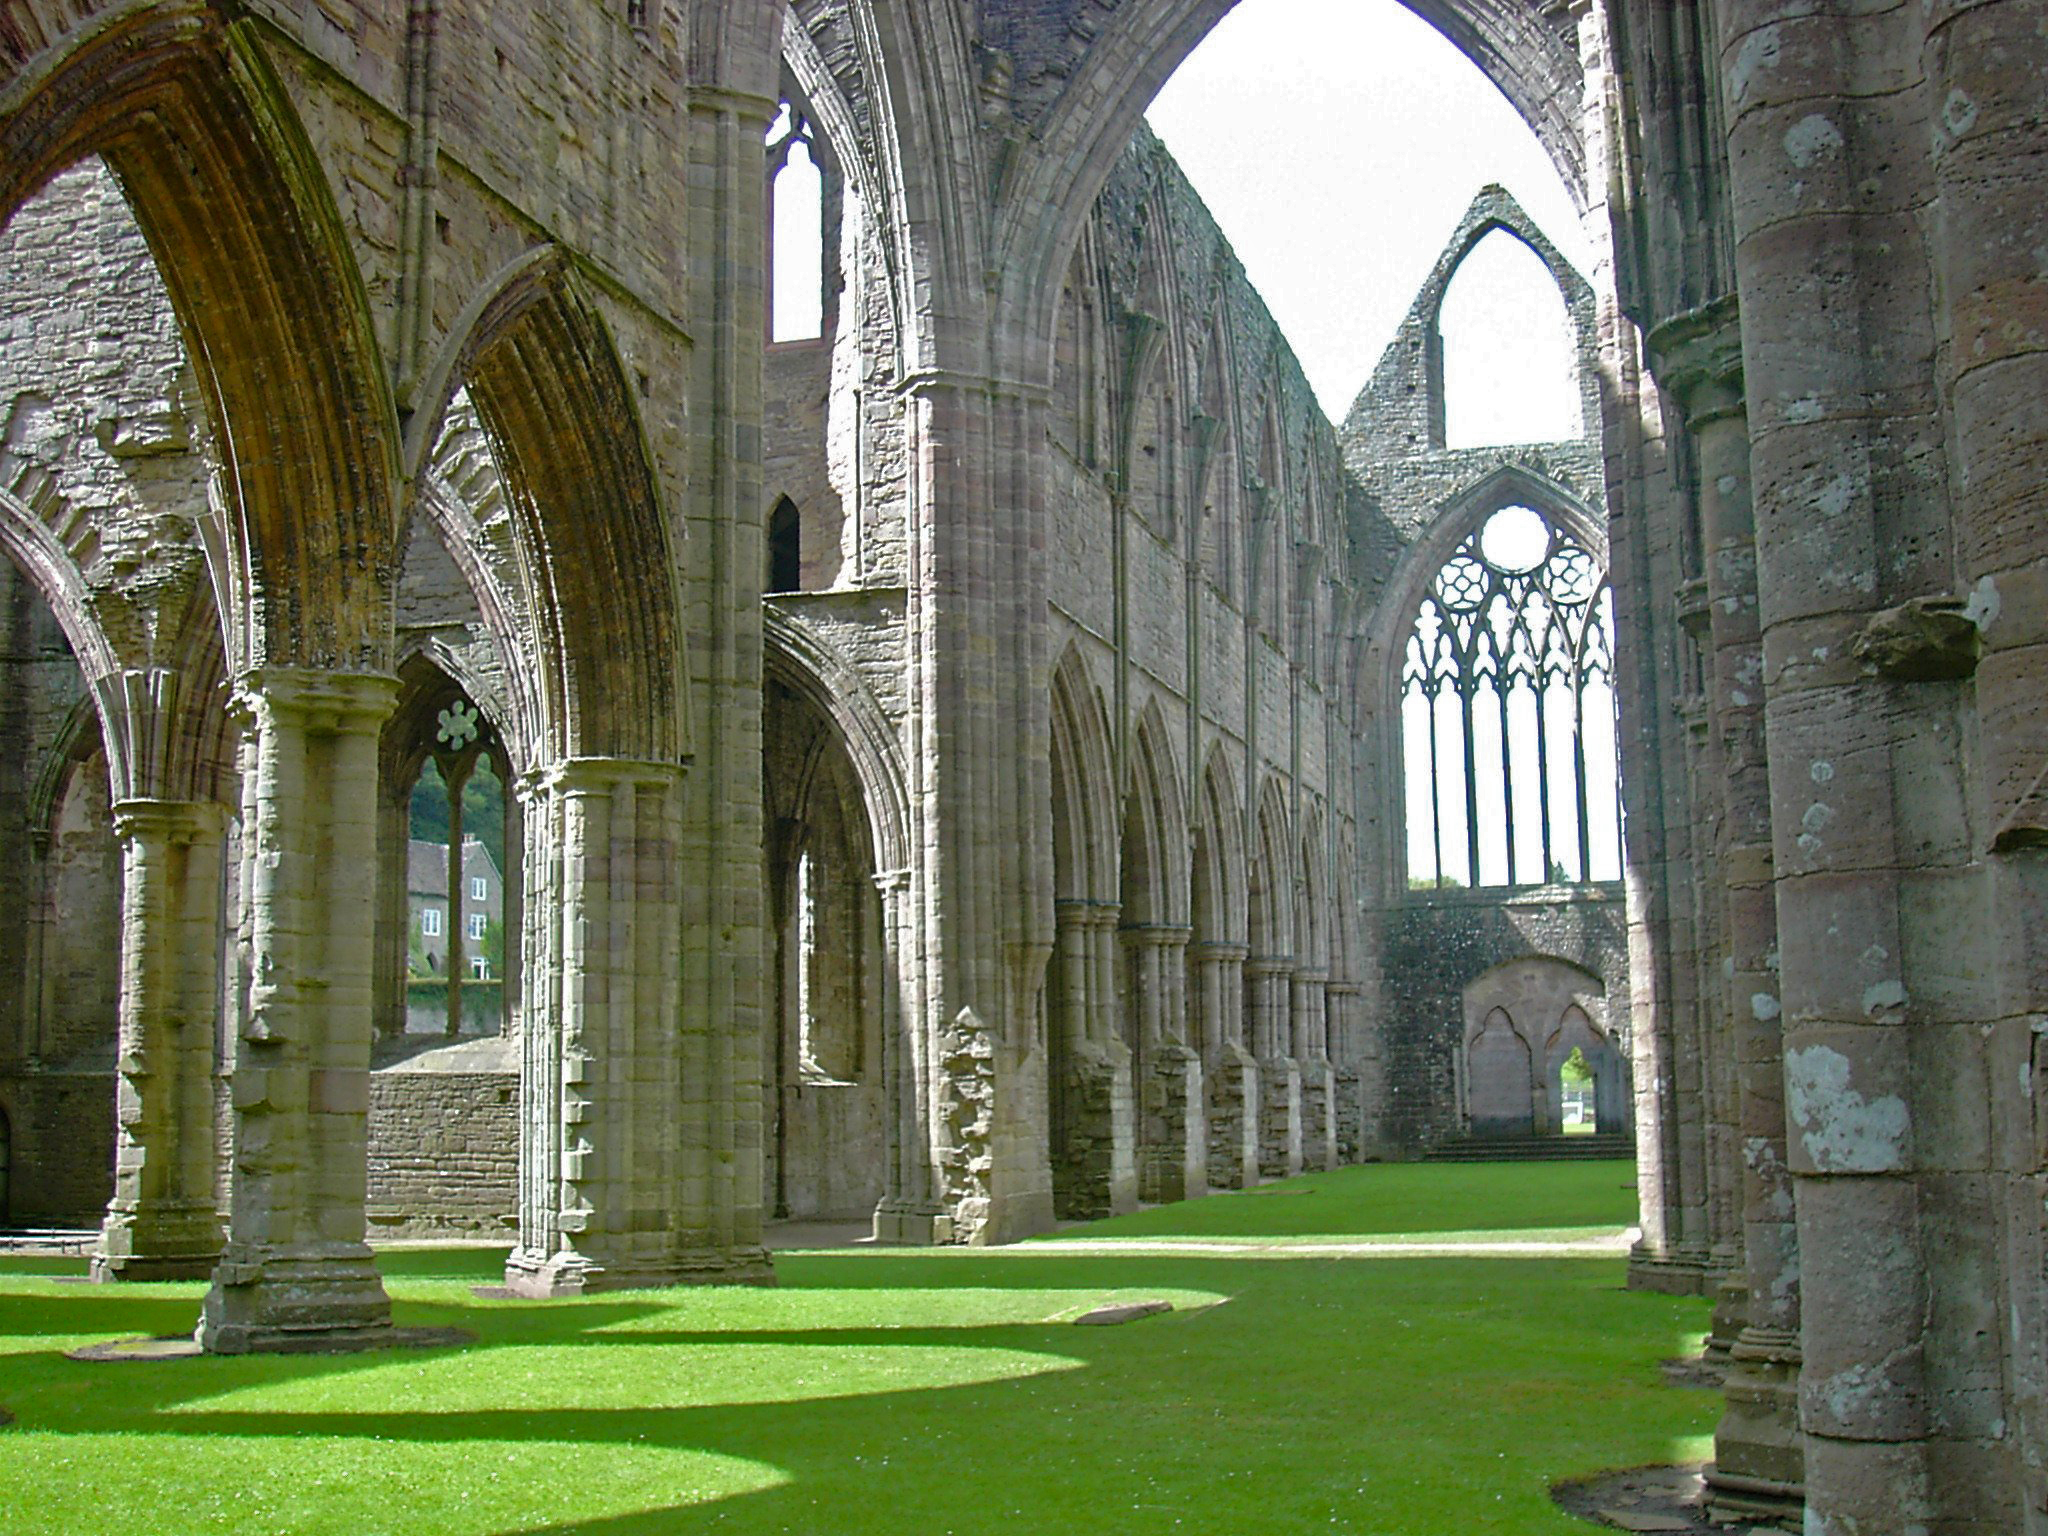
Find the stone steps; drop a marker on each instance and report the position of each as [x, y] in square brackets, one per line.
[1531, 1149]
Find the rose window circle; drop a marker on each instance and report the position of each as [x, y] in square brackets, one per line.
[1515, 540]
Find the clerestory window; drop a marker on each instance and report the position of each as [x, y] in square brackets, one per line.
[796, 240]
[1507, 695]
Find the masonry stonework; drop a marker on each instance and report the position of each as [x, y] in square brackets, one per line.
[390, 383]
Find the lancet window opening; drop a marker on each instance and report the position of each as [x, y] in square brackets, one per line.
[1508, 712]
[459, 772]
[796, 234]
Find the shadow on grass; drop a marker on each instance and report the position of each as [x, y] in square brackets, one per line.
[1328, 1396]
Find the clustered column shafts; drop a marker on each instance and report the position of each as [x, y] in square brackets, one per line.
[1094, 1106]
[602, 1187]
[1268, 983]
[296, 1271]
[1309, 1026]
[1758, 1466]
[1352, 1081]
[1230, 1071]
[910, 1210]
[161, 1223]
[1172, 1123]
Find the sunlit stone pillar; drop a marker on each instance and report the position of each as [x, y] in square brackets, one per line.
[1348, 1080]
[161, 1223]
[1173, 1140]
[605, 1201]
[1267, 986]
[1758, 1468]
[1230, 1072]
[1310, 1029]
[909, 1211]
[296, 1273]
[1094, 1129]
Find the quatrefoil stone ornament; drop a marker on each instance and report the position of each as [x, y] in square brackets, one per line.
[459, 725]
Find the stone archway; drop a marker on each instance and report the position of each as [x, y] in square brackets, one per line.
[1523, 1020]
[1498, 1085]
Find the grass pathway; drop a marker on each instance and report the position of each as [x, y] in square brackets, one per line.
[1293, 1389]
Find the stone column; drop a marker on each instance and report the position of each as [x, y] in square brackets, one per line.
[909, 1210]
[1173, 1130]
[297, 1273]
[1118, 1072]
[1347, 1114]
[1267, 985]
[1758, 1469]
[1310, 1029]
[979, 729]
[603, 1195]
[1980, 1182]
[721, 943]
[1094, 1151]
[1230, 1071]
[161, 1223]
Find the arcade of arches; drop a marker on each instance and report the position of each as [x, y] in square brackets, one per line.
[416, 820]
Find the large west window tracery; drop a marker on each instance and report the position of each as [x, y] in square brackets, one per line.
[1507, 707]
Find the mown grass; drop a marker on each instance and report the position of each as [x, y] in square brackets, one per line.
[1558, 1200]
[898, 1391]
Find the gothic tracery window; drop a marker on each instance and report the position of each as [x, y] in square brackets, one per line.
[1508, 712]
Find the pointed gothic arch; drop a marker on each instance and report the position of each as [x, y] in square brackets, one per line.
[595, 552]
[181, 105]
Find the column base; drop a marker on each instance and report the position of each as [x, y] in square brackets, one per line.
[1676, 1273]
[1003, 1218]
[1173, 1161]
[568, 1273]
[1279, 1117]
[289, 1301]
[1095, 1174]
[111, 1269]
[1318, 1114]
[1759, 1470]
[1233, 1095]
[157, 1243]
[1731, 1316]
[903, 1224]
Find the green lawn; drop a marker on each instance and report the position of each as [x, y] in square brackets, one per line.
[1426, 1200]
[903, 1392]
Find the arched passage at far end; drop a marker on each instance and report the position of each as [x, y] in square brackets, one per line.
[1523, 1019]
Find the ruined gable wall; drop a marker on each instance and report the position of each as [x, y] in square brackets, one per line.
[1438, 941]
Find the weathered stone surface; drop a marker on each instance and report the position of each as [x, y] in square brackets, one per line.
[417, 350]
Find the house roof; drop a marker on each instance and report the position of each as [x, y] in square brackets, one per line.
[426, 865]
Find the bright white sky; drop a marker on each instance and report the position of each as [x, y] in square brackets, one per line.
[1338, 143]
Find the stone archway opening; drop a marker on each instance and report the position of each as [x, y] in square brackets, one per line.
[826, 1154]
[1538, 1060]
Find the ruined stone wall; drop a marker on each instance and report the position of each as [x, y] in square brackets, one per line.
[63, 1154]
[1180, 419]
[1438, 944]
[444, 1142]
[1422, 498]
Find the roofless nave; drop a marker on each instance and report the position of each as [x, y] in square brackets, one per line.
[1042, 842]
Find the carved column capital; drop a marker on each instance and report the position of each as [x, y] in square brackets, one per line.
[1697, 360]
[318, 700]
[169, 821]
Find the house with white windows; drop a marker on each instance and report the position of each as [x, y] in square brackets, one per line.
[478, 907]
